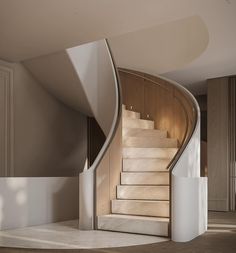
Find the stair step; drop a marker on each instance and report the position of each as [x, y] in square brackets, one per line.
[134, 224]
[149, 142]
[141, 207]
[138, 132]
[143, 192]
[145, 164]
[166, 153]
[130, 114]
[145, 178]
[138, 123]
[123, 107]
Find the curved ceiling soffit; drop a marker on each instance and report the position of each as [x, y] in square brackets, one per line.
[162, 48]
[33, 28]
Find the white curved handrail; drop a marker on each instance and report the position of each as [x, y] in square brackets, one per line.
[188, 190]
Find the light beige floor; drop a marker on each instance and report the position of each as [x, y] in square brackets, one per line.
[220, 238]
[65, 235]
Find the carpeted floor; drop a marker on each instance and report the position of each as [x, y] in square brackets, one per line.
[220, 238]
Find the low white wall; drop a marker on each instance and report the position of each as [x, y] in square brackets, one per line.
[34, 201]
[189, 193]
[189, 207]
[188, 189]
[49, 139]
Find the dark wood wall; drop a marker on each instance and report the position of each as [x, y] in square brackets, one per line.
[96, 139]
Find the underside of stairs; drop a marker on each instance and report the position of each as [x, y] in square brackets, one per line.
[142, 202]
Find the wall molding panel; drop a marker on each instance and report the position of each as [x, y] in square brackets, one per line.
[232, 141]
[6, 118]
[221, 143]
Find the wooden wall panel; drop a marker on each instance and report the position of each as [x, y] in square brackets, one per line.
[133, 93]
[160, 101]
[218, 144]
[103, 186]
[150, 103]
[180, 121]
[165, 115]
[115, 161]
[108, 174]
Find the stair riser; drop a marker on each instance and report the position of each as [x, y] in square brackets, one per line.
[147, 142]
[135, 132]
[148, 227]
[143, 178]
[145, 164]
[137, 123]
[148, 208]
[130, 114]
[143, 192]
[162, 153]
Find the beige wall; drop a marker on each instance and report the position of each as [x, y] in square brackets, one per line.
[218, 144]
[35, 201]
[50, 139]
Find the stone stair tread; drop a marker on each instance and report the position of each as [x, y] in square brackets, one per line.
[134, 224]
[135, 152]
[156, 208]
[143, 192]
[136, 132]
[145, 178]
[149, 142]
[138, 217]
[137, 123]
[145, 164]
[130, 114]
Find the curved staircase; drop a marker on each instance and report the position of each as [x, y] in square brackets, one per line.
[146, 177]
[142, 200]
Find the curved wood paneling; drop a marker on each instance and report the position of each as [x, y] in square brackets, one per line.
[161, 101]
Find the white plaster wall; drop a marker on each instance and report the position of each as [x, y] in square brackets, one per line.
[94, 69]
[50, 138]
[34, 201]
[189, 193]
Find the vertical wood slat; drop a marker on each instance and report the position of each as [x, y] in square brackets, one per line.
[218, 144]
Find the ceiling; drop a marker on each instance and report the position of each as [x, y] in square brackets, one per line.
[211, 54]
[30, 28]
[162, 48]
